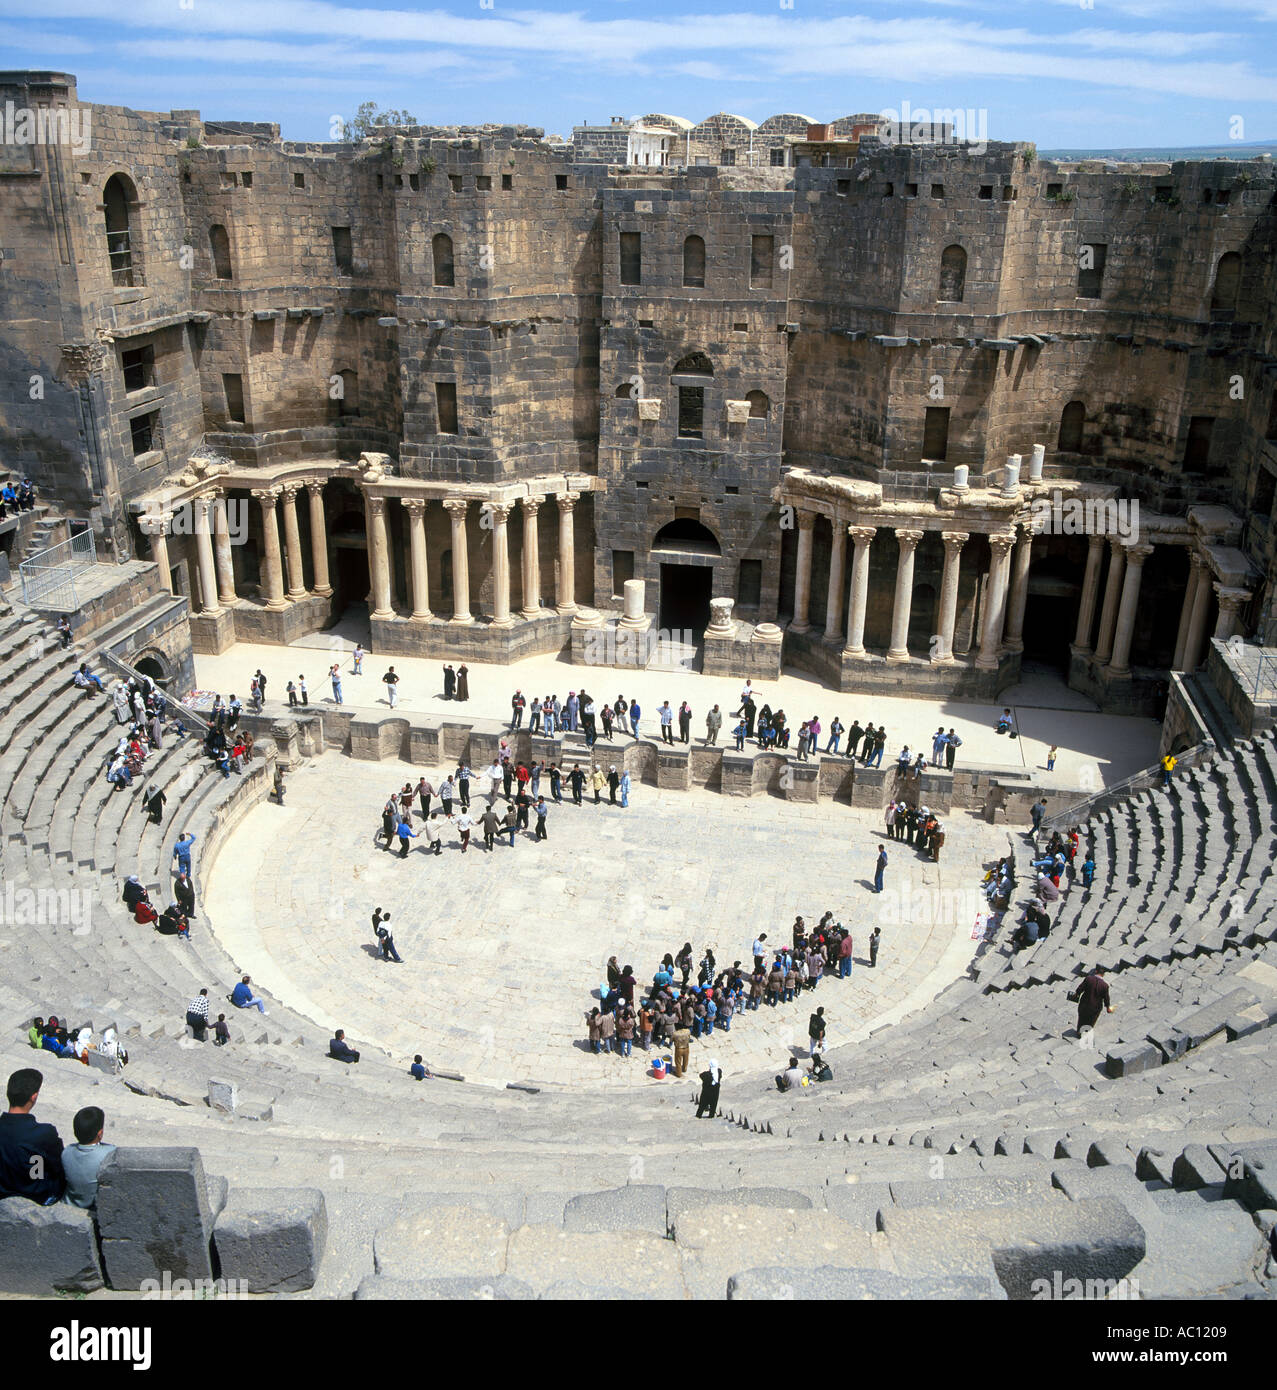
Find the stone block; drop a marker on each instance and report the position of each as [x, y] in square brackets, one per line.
[154, 1216]
[447, 1242]
[621, 1209]
[970, 1194]
[272, 1238]
[543, 1256]
[858, 1203]
[1153, 1165]
[43, 1249]
[649, 409]
[679, 1200]
[830, 1282]
[1197, 1167]
[223, 1095]
[1132, 1058]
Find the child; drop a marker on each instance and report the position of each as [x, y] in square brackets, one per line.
[1050, 758]
[222, 1034]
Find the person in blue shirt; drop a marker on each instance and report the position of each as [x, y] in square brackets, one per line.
[405, 833]
[1088, 871]
[417, 1071]
[182, 852]
[635, 714]
[85, 1157]
[242, 996]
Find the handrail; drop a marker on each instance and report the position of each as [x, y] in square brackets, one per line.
[1137, 781]
[193, 720]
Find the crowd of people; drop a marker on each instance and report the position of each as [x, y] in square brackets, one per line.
[671, 1011]
[54, 1035]
[16, 498]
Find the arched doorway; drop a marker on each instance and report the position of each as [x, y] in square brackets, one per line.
[685, 550]
[153, 667]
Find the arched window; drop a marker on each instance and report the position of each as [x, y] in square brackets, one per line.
[690, 536]
[1228, 277]
[348, 399]
[120, 198]
[220, 245]
[1072, 418]
[441, 246]
[691, 375]
[627, 391]
[759, 405]
[694, 263]
[953, 274]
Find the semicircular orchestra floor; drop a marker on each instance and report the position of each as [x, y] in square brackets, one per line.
[503, 951]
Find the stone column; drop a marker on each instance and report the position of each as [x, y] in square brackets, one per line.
[272, 562]
[222, 554]
[1090, 590]
[1196, 633]
[531, 555]
[416, 509]
[1120, 663]
[837, 563]
[953, 543]
[456, 508]
[567, 553]
[500, 564]
[899, 649]
[319, 539]
[862, 539]
[802, 580]
[204, 547]
[1228, 624]
[1019, 591]
[379, 558]
[1195, 567]
[157, 529]
[293, 543]
[1112, 597]
[995, 600]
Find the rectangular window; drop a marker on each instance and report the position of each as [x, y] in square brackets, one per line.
[1197, 450]
[889, 190]
[631, 258]
[1009, 193]
[246, 179]
[455, 181]
[691, 412]
[1053, 190]
[1091, 259]
[1265, 488]
[414, 182]
[937, 190]
[728, 157]
[483, 182]
[842, 187]
[911, 190]
[138, 365]
[507, 181]
[986, 190]
[560, 181]
[233, 386]
[343, 251]
[622, 569]
[446, 405]
[749, 587]
[935, 433]
[145, 430]
[299, 180]
[778, 159]
[762, 251]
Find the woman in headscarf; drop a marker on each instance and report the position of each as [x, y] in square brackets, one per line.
[625, 787]
[83, 1045]
[120, 699]
[711, 1080]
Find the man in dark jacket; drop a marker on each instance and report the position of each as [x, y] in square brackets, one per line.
[30, 1152]
[1091, 996]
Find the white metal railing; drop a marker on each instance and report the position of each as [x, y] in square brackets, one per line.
[48, 577]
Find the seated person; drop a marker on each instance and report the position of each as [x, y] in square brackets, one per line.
[171, 922]
[144, 913]
[418, 1071]
[35, 1033]
[55, 1041]
[30, 1152]
[86, 680]
[340, 1049]
[82, 1160]
[791, 1078]
[1004, 722]
[134, 893]
[119, 774]
[242, 996]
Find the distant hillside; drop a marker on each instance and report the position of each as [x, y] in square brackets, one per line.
[1235, 149]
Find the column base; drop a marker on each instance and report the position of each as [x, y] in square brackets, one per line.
[1115, 673]
[214, 612]
[501, 622]
[798, 627]
[896, 656]
[565, 610]
[297, 595]
[422, 617]
[986, 663]
[461, 619]
[382, 613]
[323, 591]
[531, 613]
[949, 660]
[1080, 652]
[276, 605]
[1013, 648]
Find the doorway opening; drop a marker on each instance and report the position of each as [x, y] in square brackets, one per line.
[685, 596]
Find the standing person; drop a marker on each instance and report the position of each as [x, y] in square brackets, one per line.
[625, 787]
[835, 735]
[489, 823]
[1168, 766]
[305, 698]
[334, 675]
[556, 783]
[598, 780]
[935, 841]
[462, 779]
[613, 784]
[880, 868]
[711, 1081]
[433, 838]
[577, 778]
[517, 703]
[937, 746]
[889, 816]
[279, 784]
[635, 715]
[713, 723]
[405, 833]
[197, 1015]
[64, 632]
[424, 792]
[684, 722]
[682, 1046]
[291, 688]
[541, 809]
[449, 682]
[182, 852]
[389, 820]
[153, 799]
[446, 792]
[874, 938]
[534, 715]
[666, 716]
[391, 682]
[1050, 757]
[261, 683]
[358, 659]
[1036, 813]
[465, 824]
[816, 1032]
[1091, 997]
[463, 682]
[951, 745]
[30, 1152]
[606, 715]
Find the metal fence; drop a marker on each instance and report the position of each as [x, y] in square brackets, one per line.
[48, 577]
[1265, 691]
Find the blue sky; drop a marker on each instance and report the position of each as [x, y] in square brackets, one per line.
[1091, 73]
